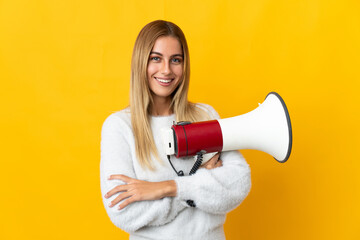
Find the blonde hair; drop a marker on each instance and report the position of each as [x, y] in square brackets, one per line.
[141, 100]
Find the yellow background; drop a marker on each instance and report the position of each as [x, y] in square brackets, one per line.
[65, 66]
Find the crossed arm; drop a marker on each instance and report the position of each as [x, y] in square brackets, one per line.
[137, 190]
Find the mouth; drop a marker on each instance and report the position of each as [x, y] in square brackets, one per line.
[164, 81]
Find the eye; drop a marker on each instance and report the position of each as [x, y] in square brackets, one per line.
[155, 59]
[176, 60]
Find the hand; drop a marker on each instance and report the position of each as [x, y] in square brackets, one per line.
[214, 162]
[137, 190]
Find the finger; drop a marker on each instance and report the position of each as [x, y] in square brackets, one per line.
[127, 202]
[204, 165]
[218, 164]
[119, 198]
[120, 177]
[119, 188]
[215, 157]
[213, 160]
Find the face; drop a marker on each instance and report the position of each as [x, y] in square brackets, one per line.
[165, 67]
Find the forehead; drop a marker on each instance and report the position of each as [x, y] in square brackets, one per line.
[167, 45]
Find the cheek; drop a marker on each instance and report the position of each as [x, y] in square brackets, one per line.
[178, 71]
[151, 70]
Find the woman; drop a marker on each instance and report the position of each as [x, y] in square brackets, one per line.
[142, 194]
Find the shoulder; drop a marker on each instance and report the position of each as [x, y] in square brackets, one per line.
[213, 114]
[118, 120]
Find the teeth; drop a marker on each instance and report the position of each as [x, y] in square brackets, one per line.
[164, 80]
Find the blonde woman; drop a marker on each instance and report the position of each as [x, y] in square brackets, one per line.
[142, 194]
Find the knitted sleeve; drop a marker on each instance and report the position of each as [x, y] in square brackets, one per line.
[218, 190]
[116, 159]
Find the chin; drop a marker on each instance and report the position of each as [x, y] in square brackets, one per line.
[163, 95]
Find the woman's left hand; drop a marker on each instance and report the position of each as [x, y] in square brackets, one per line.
[138, 190]
[214, 162]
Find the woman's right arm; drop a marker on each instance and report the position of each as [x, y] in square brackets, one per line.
[116, 159]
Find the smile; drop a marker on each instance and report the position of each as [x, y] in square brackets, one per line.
[164, 80]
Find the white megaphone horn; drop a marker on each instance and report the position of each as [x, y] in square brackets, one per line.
[267, 128]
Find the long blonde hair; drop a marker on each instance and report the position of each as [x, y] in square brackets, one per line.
[141, 100]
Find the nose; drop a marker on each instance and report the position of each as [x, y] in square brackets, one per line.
[165, 68]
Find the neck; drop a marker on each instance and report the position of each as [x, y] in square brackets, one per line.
[161, 106]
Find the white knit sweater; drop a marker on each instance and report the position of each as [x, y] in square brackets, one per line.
[215, 192]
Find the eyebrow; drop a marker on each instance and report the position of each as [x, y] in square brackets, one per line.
[175, 55]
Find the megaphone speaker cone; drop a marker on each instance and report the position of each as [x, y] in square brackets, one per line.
[266, 128]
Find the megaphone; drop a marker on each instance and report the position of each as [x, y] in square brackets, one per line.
[267, 128]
